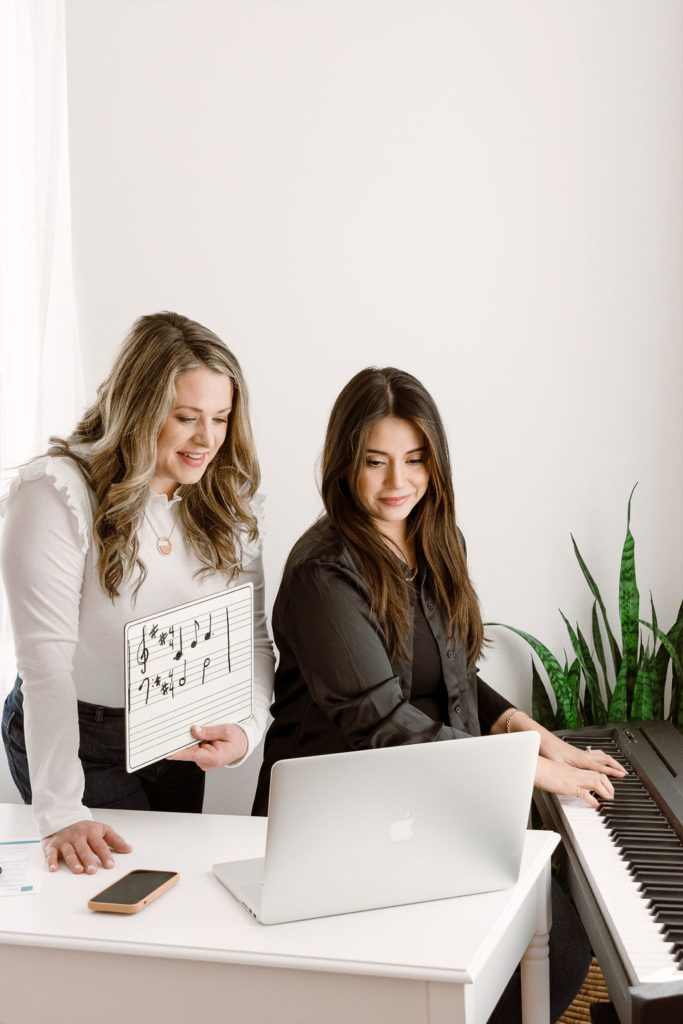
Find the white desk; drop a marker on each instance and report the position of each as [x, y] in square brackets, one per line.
[197, 953]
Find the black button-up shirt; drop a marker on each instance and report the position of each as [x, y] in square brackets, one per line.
[336, 687]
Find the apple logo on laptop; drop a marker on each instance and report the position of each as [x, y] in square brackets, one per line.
[403, 829]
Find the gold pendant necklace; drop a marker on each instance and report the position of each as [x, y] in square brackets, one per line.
[164, 545]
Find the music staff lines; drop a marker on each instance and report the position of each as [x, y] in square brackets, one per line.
[161, 640]
[183, 677]
[235, 707]
[194, 708]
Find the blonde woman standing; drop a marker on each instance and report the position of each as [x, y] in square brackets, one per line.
[150, 502]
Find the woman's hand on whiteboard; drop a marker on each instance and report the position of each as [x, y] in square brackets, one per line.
[219, 745]
[82, 845]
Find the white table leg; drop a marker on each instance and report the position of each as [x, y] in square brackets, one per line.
[535, 966]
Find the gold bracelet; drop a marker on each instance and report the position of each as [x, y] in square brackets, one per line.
[510, 716]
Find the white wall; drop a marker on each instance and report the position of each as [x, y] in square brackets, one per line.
[487, 194]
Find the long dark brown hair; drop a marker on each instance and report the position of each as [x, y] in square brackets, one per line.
[370, 396]
[123, 425]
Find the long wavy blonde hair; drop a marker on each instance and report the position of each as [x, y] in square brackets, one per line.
[123, 425]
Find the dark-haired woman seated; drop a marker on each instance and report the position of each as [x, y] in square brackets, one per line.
[150, 503]
[378, 626]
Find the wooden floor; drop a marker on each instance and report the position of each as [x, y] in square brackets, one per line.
[594, 991]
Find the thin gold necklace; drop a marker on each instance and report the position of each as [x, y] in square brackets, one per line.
[164, 545]
[412, 573]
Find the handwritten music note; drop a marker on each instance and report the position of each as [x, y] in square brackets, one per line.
[196, 628]
[179, 652]
[170, 687]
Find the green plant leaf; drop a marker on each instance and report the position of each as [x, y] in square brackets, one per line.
[587, 707]
[675, 634]
[612, 643]
[572, 635]
[599, 711]
[678, 624]
[599, 650]
[637, 700]
[629, 605]
[667, 644]
[568, 716]
[596, 713]
[647, 700]
[618, 706]
[541, 708]
[573, 674]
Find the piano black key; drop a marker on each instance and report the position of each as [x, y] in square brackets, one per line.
[670, 902]
[651, 828]
[649, 880]
[666, 883]
[670, 920]
[622, 825]
[654, 892]
[664, 844]
[622, 805]
[660, 859]
[656, 856]
[634, 829]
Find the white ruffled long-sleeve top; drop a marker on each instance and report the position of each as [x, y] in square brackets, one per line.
[68, 633]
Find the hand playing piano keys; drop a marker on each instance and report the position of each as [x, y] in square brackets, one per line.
[565, 780]
[566, 770]
[583, 773]
[557, 749]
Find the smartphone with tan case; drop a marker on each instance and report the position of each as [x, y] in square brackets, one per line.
[133, 891]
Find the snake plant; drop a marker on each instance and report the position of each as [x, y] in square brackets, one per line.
[606, 682]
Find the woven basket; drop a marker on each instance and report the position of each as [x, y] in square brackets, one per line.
[594, 990]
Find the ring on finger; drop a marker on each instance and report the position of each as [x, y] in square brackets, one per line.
[589, 750]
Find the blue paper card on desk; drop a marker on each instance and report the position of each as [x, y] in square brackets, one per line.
[188, 665]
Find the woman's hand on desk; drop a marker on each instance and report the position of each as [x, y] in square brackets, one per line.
[564, 779]
[219, 745]
[82, 844]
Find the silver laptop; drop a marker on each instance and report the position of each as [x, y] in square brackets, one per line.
[379, 828]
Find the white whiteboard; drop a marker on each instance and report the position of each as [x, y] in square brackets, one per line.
[188, 665]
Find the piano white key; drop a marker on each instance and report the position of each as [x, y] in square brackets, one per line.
[634, 930]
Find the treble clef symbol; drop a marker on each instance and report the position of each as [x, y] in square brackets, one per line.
[142, 653]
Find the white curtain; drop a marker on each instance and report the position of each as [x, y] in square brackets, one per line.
[41, 375]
